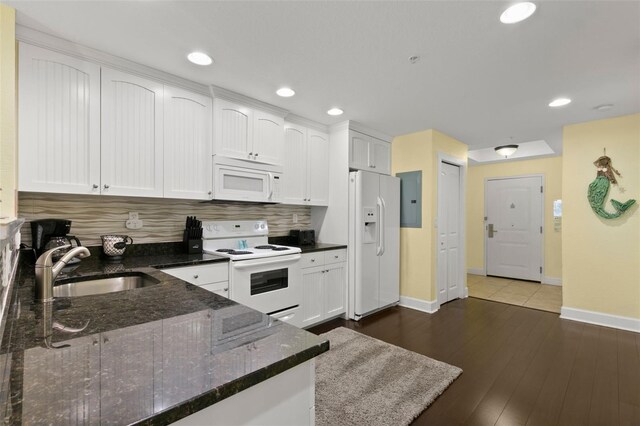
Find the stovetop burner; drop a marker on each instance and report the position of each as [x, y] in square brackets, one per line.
[280, 248]
[266, 247]
[225, 250]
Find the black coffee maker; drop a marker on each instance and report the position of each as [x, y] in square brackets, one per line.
[50, 233]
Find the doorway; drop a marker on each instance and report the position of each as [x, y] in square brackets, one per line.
[450, 235]
[514, 216]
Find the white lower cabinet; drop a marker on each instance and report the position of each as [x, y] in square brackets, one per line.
[324, 285]
[213, 277]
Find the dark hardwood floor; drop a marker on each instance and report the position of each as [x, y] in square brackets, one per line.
[521, 366]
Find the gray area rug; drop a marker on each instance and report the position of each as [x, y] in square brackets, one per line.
[364, 381]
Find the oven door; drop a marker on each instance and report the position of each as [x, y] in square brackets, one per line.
[245, 184]
[269, 285]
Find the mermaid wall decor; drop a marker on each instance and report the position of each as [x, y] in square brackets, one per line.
[599, 188]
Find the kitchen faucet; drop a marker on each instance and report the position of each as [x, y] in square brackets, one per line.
[46, 271]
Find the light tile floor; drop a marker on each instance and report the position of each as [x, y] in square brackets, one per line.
[515, 292]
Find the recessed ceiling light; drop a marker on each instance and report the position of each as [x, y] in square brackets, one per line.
[604, 107]
[200, 58]
[285, 92]
[335, 111]
[518, 12]
[560, 102]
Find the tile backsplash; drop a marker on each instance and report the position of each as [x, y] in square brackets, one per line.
[163, 219]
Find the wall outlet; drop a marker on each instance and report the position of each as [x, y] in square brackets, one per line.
[295, 218]
[133, 224]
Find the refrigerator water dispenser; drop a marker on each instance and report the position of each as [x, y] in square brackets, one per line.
[370, 219]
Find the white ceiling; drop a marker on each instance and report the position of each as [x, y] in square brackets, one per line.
[478, 80]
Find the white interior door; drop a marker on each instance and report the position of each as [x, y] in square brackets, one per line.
[449, 234]
[514, 210]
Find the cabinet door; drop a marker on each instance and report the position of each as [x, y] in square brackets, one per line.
[233, 129]
[220, 288]
[186, 357]
[268, 138]
[381, 151]
[317, 168]
[132, 130]
[59, 123]
[62, 383]
[335, 290]
[295, 165]
[359, 151]
[312, 292]
[129, 360]
[187, 145]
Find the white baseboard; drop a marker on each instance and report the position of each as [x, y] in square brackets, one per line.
[599, 318]
[552, 280]
[476, 271]
[428, 306]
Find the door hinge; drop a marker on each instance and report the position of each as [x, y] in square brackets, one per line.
[541, 190]
[541, 229]
[541, 269]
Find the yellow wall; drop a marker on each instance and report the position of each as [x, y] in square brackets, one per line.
[419, 151]
[551, 168]
[8, 141]
[601, 257]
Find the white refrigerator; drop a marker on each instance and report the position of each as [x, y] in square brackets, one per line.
[374, 242]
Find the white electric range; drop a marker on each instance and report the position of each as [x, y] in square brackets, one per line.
[263, 276]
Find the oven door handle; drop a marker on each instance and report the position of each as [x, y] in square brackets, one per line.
[244, 264]
[271, 183]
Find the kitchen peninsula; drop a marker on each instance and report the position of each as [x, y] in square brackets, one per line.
[151, 355]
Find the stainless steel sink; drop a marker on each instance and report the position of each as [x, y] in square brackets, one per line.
[103, 285]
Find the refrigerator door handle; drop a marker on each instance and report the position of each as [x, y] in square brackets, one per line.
[382, 223]
[379, 224]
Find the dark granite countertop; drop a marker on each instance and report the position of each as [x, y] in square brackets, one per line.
[150, 355]
[307, 248]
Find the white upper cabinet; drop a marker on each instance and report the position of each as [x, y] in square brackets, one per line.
[233, 129]
[268, 138]
[306, 166]
[59, 123]
[294, 184]
[248, 134]
[132, 134]
[187, 145]
[369, 153]
[317, 168]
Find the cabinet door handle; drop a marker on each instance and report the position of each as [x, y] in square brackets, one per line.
[210, 192]
[105, 340]
[336, 256]
[250, 154]
[313, 260]
[195, 276]
[106, 186]
[226, 289]
[95, 186]
[255, 155]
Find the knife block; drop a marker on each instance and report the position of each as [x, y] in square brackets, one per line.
[191, 245]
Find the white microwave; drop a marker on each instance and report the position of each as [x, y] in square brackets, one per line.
[240, 180]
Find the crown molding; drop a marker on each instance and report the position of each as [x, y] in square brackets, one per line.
[296, 119]
[40, 39]
[361, 128]
[226, 94]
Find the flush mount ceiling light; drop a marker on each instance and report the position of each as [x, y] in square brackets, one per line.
[199, 58]
[559, 102]
[603, 107]
[285, 92]
[506, 150]
[335, 111]
[517, 12]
